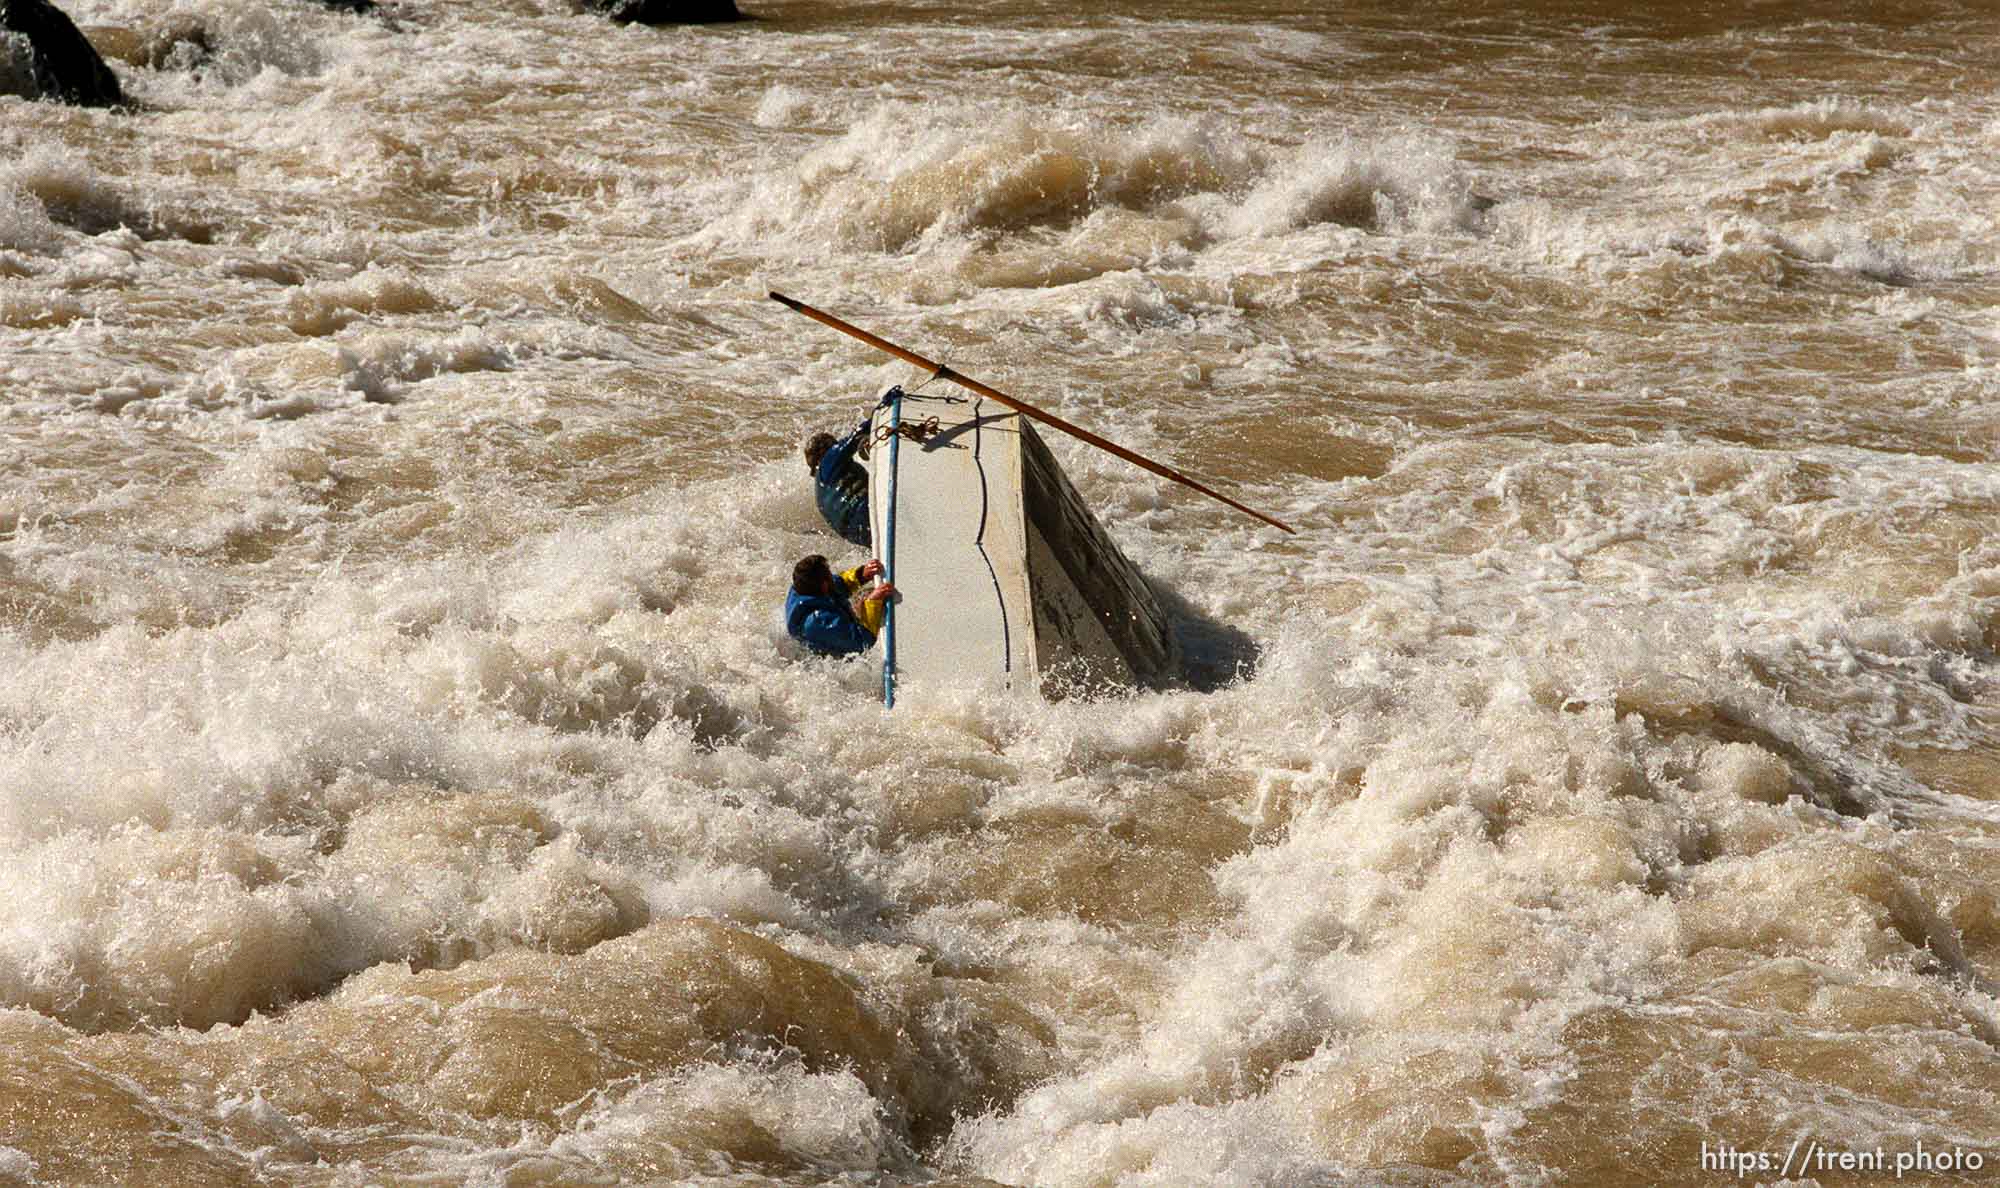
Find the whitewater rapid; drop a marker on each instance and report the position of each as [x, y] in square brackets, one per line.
[405, 776]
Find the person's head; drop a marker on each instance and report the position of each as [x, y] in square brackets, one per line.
[812, 575]
[816, 447]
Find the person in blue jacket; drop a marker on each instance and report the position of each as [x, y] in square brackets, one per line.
[820, 615]
[840, 483]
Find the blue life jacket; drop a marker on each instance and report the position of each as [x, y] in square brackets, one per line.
[841, 486]
[826, 623]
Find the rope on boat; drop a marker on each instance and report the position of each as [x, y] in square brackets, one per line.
[917, 431]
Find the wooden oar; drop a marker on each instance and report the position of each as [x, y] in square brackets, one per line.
[940, 371]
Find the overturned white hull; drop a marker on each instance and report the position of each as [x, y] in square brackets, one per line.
[1003, 574]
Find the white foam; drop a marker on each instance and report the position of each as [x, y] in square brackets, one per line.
[783, 105]
[25, 225]
[825, 1123]
[1411, 183]
[903, 177]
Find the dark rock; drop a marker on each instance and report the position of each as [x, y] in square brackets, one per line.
[667, 12]
[353, 6]
[44, 56]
